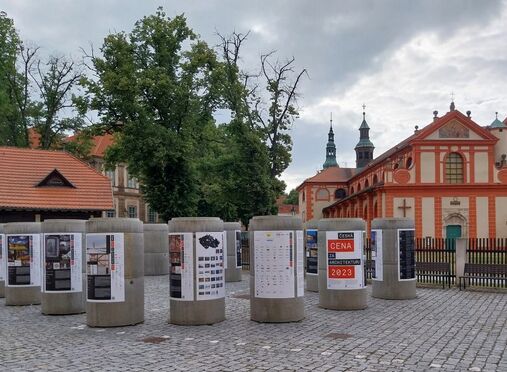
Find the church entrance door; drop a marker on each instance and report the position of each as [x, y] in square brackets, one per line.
[451, 233]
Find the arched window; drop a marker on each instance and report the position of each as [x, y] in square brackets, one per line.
[375, 179]
[322, 194]
[366, 184]
[358, 186]
[303, 196]
[351, 190]
[454, 168]
[408, 164]
[340, 194]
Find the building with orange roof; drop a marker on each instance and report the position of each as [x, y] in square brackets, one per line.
[450, 177]
[38, 184]
[127, 196]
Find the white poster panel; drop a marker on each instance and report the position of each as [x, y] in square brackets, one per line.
[344, 259]
[300, 265]
[62, 262]
[274, 264]
[377, 255]
[23, 260]
[181, 263]
[3, 264]
[237, 235]
[105, 267]
[209, 251]
[226, 253]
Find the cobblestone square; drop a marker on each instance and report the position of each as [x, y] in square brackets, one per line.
[441, 330]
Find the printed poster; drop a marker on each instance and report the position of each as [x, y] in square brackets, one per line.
[23, 260]
[105, 267]
[312, 252]
[239, 262]
[210, 270]
[300, 262]
[274, 264]
[406, 254]
[376, 255]
[181, 263]
[2, 255]
[61, 263]
[344, 259]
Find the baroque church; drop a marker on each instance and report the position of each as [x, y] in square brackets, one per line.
[450, 177]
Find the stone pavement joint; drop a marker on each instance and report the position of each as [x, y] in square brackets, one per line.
[441, 330]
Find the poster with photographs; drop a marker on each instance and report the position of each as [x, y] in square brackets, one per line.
[406, 254]
[344, 259]
[274, 264]
[61, 263]
[239, 262]
[312, 252]
[181, 264]
[210, 265]
[105, 267]
[300, 263]
[376, 255]
[2, 255]
[23, 260]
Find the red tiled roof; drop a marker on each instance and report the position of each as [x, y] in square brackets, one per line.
[101, 143]
[22, 169]
[331, 175]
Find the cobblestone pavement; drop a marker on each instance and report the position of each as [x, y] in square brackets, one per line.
[441, 330]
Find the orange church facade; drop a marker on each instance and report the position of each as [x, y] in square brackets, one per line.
[449, 177]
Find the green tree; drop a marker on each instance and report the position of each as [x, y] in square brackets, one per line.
[11, 130]
[55, 81]
[155, 87]
[292, 197]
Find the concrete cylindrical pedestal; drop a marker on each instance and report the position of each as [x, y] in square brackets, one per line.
[3, 264]
[341, 278]
[156, 249]
[120, 240]
[311, 255]
[196, 273]
[63, 292]
[233, 239]
[388, 282]
[22, 281]
[276, 269]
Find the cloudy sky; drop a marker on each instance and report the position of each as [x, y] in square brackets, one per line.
[400, 58]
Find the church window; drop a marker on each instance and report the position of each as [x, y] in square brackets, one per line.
[408, 162]
[340, 194]
[322, 194]
[454, 168]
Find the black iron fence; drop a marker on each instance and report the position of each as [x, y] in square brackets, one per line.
[245, 251]
[486, 262]
[436, 261]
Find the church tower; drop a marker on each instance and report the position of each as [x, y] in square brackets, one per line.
[330, 148]
[364, 148]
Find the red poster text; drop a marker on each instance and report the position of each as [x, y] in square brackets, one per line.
[341, 272]
[340, 245]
